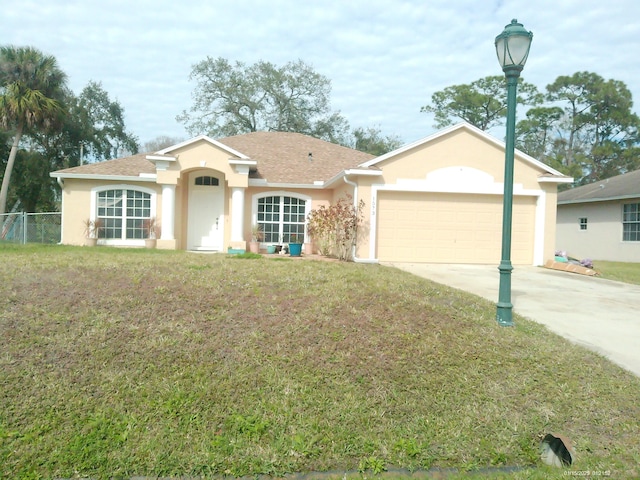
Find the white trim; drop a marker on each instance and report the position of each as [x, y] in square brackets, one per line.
[162, 158]
[119, 178]
[233, 161]
[210, 140]
[363, 172]
[258, 182]
[453, 128]
[597, 200]
[352, 171]
[133, 242]
[543, 179]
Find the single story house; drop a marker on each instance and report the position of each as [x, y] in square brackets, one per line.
[601, 220]
[438, 199]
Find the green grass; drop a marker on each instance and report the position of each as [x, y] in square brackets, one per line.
[117, 363]
[622, 272]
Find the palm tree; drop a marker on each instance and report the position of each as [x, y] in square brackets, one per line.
[30, 83]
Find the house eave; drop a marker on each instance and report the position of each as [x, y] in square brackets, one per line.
[365, 172]
[555, 180]
[257, 182]
[147, 177]
[250, 163]
[165, 158]
[599, 200]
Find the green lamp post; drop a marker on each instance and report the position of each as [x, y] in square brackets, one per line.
[512, 47]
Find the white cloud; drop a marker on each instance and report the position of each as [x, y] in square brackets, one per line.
[385, 58]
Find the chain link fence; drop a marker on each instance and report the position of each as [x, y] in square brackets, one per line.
[24, 228]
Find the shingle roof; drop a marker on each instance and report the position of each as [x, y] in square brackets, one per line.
[131, 166]
[621, 186]
[282, 157]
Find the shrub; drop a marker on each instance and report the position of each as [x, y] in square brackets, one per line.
[335, 228]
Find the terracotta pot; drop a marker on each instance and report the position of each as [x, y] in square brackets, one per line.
[254, 247]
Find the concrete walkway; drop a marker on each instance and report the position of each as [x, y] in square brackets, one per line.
[599, 314]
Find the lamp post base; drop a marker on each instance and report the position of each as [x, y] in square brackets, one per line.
[504, 314]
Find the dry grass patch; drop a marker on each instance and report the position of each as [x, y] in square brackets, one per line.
[122, 363]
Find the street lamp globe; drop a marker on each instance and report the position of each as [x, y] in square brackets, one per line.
[512, 47]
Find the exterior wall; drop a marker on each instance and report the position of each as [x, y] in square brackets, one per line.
[459, 148]
[77, 201]
[602, 240]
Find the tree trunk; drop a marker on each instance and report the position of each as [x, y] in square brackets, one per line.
[7, 172]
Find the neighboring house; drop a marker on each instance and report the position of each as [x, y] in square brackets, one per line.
[601, 220]
[435, 200]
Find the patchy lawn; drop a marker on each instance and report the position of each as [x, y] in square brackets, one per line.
[117, 363]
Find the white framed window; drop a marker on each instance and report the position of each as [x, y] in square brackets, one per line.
[206, 180]
[123, 210]
[631, 222]
[282, 216]
[583, 223]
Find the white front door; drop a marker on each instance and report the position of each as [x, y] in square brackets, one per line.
[205, 229]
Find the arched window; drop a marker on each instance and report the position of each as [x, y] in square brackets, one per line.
[207, 181]
[123, 212]
[282, 218]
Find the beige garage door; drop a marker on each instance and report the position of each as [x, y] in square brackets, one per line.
[451, 228]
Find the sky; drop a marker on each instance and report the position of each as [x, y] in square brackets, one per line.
[384, 58]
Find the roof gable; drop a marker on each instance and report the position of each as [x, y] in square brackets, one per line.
[464, 126]
[200, 138]
[621, 186]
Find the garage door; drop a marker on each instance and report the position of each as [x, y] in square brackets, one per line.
[451, 228]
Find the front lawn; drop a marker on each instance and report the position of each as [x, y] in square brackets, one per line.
[120, 363]
[619, 271]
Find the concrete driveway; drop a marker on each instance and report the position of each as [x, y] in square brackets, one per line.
[599, 314]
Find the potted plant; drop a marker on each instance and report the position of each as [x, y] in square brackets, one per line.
[257, 235]
[295, 245]
[92, 231]
[152, 230]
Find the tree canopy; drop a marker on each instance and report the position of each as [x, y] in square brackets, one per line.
[371, 140]
[582, 125]
[482, 103]
[89, 125]
[596, 136]
[30, 87]
[231, 99]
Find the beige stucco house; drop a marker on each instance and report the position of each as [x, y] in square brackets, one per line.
[601, 220]
[438, 199]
